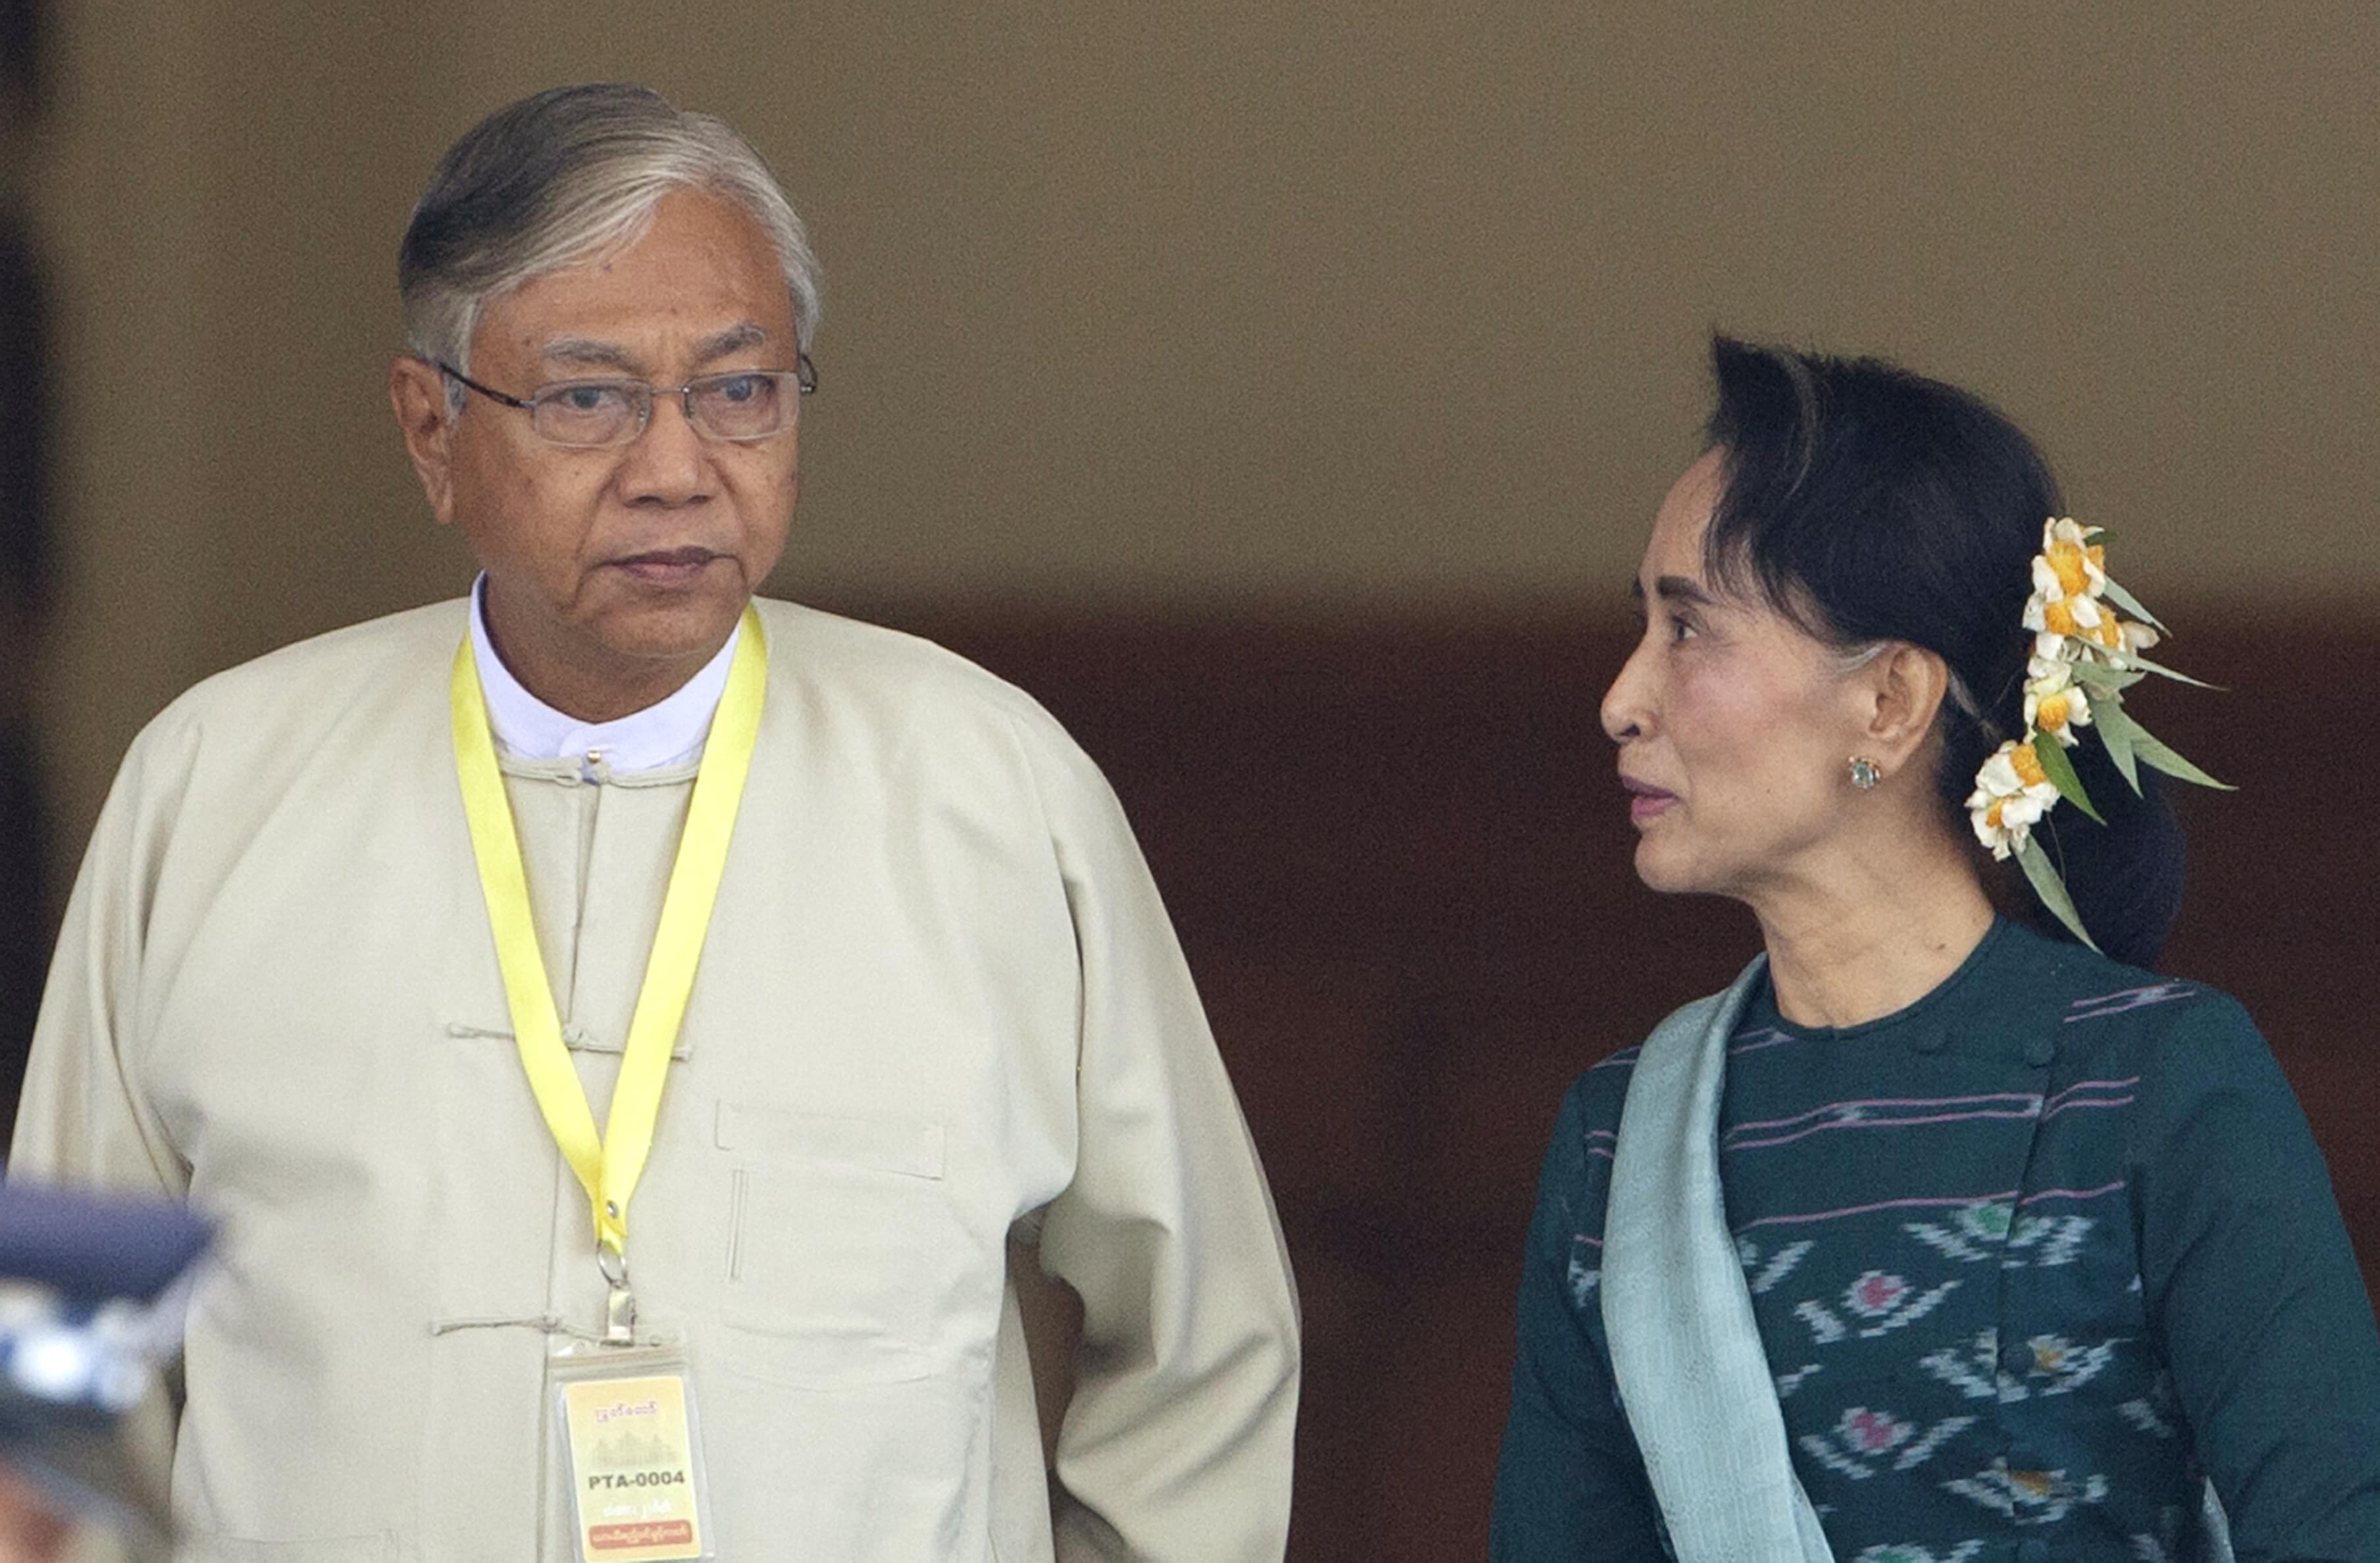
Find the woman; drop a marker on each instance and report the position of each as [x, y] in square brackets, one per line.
[1941, 1235]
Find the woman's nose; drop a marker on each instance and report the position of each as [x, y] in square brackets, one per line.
[1625, 705]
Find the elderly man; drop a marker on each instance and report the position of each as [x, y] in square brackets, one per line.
[376, 930]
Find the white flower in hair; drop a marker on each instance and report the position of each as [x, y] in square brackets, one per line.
[2070, 577]
[2086, 653]
[2068, 561]
[2012, 792]
[2054, 704]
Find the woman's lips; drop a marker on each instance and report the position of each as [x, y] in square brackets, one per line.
[1645, 801]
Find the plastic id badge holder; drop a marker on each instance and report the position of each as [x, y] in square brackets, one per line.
[631, 1448]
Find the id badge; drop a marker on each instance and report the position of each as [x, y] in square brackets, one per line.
[631, 1449]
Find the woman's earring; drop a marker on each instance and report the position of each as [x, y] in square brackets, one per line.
[1863, 772]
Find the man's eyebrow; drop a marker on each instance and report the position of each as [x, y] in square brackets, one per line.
[586, 350]
[592, 353]
[734, 339]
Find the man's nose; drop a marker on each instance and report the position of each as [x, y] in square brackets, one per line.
[668, 461]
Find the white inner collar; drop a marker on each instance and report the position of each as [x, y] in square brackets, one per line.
[668, 732]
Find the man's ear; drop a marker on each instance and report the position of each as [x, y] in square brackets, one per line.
[1902, 692]
[417, 392]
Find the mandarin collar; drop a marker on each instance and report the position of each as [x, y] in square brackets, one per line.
[668, 732]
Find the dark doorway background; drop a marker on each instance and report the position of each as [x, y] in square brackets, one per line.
[26, 548]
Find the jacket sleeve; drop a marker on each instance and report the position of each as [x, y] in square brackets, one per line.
[1570, 1484]
[2251, 1281]
[82, 1118]
[1176, 1445]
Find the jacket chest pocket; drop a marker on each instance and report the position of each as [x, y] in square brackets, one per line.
[840, 1236]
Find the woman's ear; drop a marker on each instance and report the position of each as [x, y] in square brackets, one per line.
[1900, 693]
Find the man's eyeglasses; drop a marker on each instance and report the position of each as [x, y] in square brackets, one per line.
[743, 405]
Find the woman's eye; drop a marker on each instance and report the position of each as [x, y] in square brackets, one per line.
[1683, 629]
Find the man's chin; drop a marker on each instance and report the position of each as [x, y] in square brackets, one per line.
[687, 627]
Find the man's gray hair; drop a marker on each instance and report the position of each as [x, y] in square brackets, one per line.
[560, 177]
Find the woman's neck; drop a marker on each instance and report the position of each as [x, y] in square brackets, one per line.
[1872, 932]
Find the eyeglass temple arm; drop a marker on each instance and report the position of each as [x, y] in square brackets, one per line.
[489, 391]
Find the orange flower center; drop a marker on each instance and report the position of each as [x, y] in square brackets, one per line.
[2065, 562]
[1992, 814]
[2110, 633]
[2052, 714]
[2058, 617]
[2028, 766]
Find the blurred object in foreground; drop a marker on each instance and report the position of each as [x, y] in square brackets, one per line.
[92, 1290]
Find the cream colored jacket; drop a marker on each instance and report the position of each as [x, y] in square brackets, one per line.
[939, 1002]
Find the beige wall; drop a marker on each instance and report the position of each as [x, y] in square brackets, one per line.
[1256, 307]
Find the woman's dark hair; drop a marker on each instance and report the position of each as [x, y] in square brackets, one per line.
[1867, 503]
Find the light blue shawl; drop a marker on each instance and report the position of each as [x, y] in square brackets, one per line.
[1685, 1349]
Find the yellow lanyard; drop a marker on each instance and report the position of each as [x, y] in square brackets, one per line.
[608, 1169]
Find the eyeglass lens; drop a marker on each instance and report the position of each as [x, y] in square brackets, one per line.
[752, 405]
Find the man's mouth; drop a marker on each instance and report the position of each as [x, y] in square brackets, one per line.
[664, 566]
